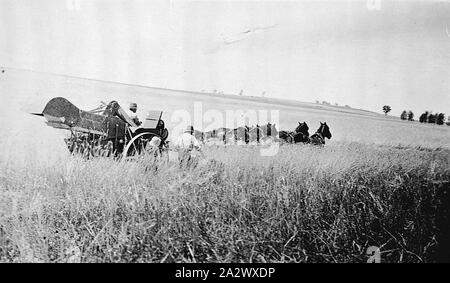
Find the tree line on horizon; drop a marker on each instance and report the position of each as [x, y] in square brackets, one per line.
[407, 115]
[437, 118]
[426, 117]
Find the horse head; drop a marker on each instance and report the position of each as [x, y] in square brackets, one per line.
[324, 130]
[302, 128]
[270, 129]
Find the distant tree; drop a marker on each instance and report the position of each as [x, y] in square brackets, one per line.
[336, 104]
[386, 109]
[404, 115]
[317, 101]
[440, 118]
[424, 117]
[410, 116]
[241, 92]
[432, 119]
[347, 106]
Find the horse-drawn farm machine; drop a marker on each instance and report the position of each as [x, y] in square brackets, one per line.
[105, 131]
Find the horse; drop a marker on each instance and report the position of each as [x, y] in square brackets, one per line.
[262, 133]
[220, 135]
[318, 138]
[255, 133]
[199, 135]
[268, 133]
[287, 136]
[242, 134]
[269, 130]
[237, 135]
[301, 133]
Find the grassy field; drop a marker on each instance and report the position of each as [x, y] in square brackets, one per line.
[306, 204]
[378, 182]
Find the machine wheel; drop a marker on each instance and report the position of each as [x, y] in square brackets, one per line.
[138, 144]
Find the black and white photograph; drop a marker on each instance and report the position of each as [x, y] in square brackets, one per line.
[246, 134]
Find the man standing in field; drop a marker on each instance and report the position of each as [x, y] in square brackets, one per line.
[187, 144]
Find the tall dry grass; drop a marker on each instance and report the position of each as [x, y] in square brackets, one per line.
[306, 204]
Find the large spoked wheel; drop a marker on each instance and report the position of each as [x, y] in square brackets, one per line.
[138, 144]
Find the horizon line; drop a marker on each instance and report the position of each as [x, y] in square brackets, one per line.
[231, 96]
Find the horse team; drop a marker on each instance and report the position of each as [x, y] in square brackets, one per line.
[261, 134]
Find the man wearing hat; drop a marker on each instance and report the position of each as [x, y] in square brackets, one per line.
[187, 143]
[132, 113]
[187, 140]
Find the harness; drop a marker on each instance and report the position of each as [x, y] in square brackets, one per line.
[288, 135]
[319, 136]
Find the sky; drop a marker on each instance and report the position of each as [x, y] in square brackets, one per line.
[365, 54]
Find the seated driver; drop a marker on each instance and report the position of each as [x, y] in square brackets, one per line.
[133, 115]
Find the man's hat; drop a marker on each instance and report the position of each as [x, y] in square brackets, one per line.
[133, 105]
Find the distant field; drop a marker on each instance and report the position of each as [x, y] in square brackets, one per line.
[23, 92]
[378, 182]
